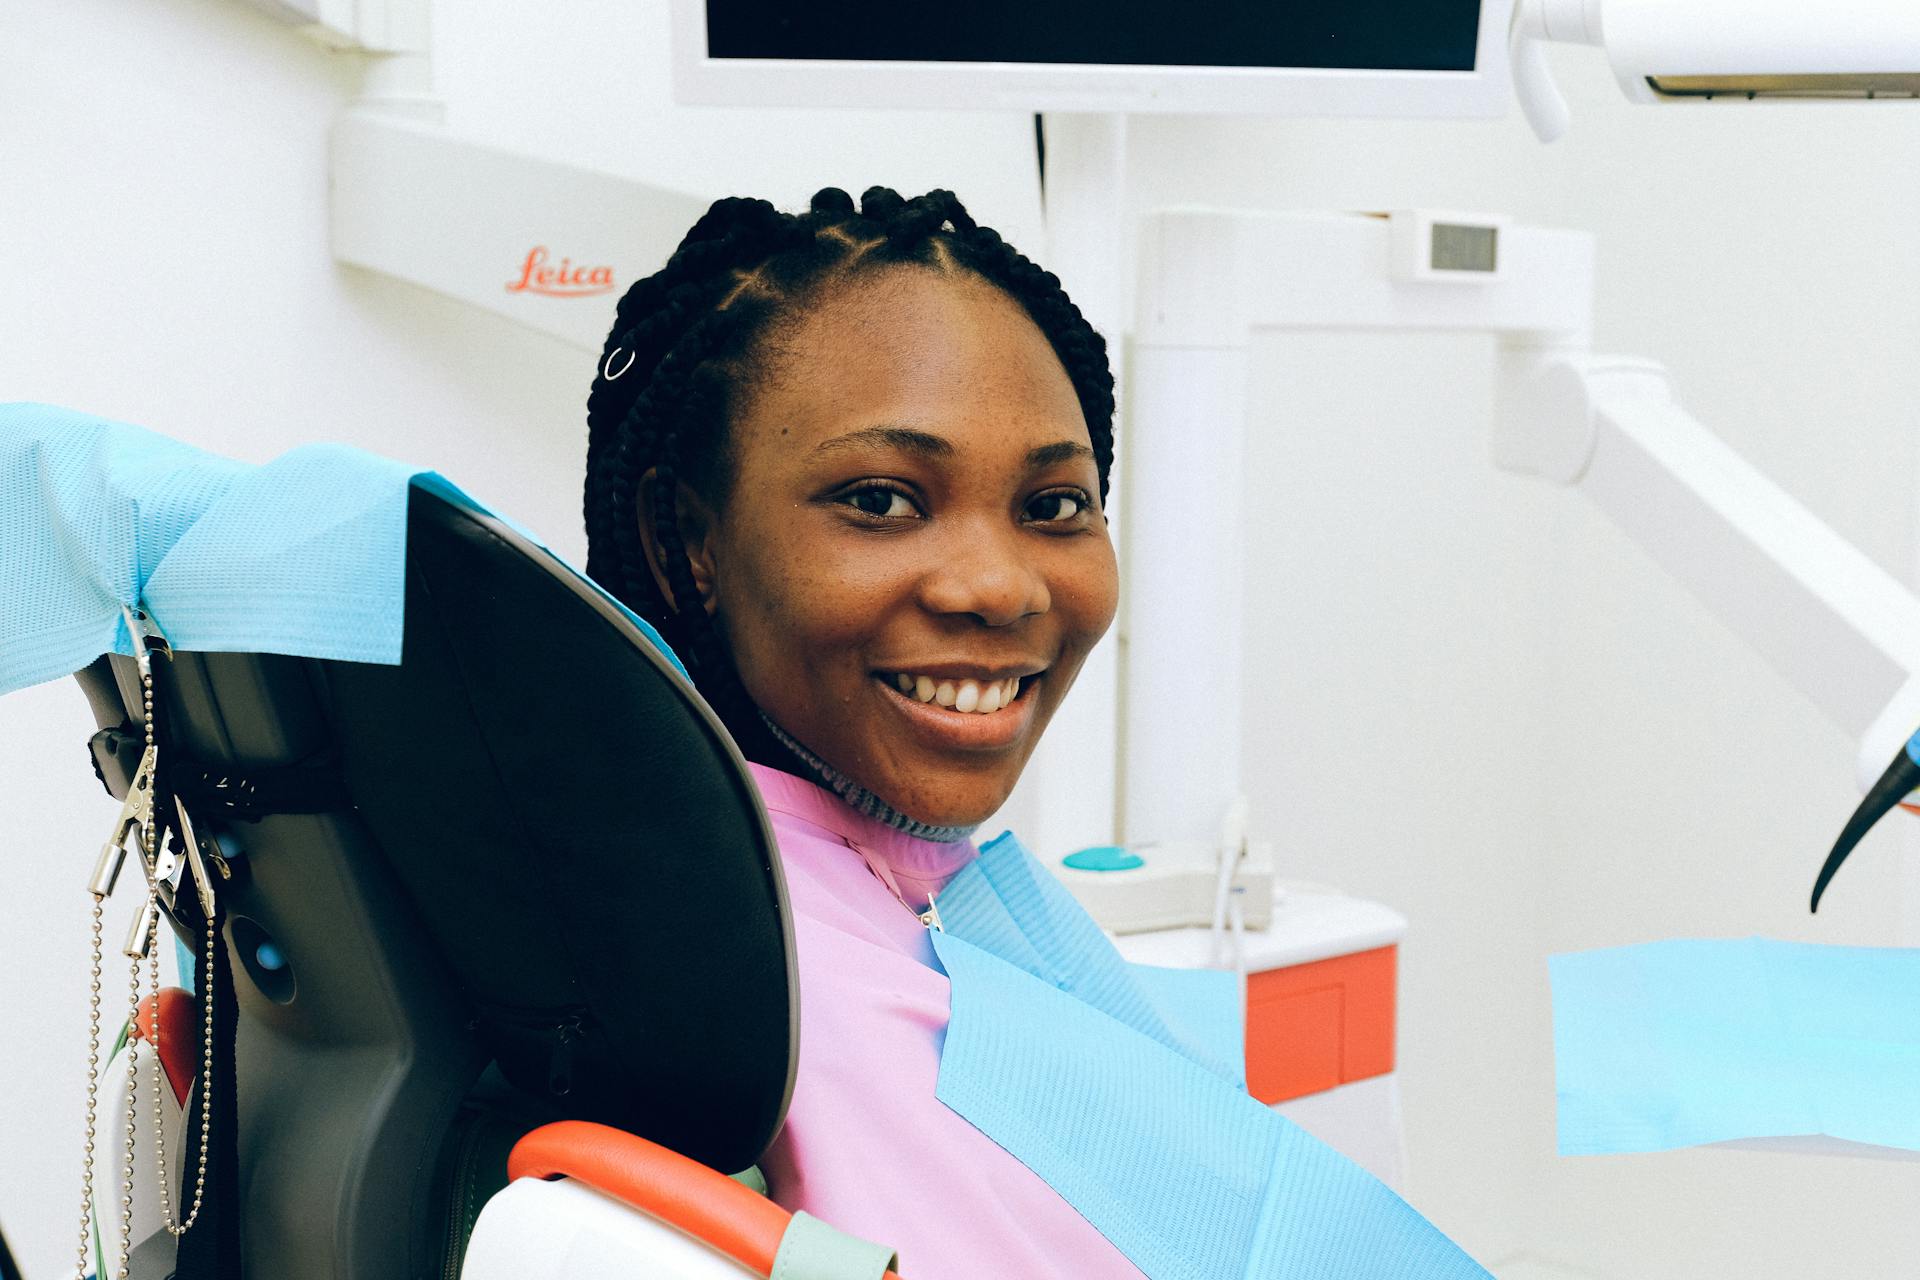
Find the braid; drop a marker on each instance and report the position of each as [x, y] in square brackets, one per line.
[1078, 344]
[693, 329]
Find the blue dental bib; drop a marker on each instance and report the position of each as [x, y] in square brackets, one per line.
[1120, 1085]
[304, 555]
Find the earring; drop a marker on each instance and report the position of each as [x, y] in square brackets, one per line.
[606, 367]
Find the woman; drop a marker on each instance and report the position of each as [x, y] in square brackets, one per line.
[853, 463]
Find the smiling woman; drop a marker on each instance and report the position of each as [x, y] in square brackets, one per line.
[853, 465]
[913, 506]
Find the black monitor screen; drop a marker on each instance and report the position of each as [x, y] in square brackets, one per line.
[1398, 35]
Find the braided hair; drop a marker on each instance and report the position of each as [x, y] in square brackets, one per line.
[689, 345]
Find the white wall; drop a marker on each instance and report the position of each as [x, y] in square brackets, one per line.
[1485, 706]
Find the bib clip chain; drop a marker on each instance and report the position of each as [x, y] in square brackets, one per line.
[142, 821]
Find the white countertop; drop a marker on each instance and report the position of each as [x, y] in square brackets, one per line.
[1310, 922]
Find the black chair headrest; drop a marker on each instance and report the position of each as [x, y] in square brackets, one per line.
[531, 843]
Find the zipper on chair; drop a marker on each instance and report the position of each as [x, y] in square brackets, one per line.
[460, 1194]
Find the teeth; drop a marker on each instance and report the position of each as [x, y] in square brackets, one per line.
[974, 696]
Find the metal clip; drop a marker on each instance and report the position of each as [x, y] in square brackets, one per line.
[196, 863]
[931, 916]
[142, 933]
[166, 865]
[146, 636]
[136, 815]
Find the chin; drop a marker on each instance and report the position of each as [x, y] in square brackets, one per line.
[921, 771]
[946, 797]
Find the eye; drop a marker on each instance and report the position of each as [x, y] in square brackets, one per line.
[1057, 508]
[880, 501]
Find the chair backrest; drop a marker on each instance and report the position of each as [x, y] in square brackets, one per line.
[531, 846]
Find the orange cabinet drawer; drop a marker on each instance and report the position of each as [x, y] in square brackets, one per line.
[1313, 1026]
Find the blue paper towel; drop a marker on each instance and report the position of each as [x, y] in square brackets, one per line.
[304, 555]
[1689, 1041]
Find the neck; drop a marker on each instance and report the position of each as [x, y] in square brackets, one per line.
[861, 799]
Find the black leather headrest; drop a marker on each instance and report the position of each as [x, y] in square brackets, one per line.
[581, 838]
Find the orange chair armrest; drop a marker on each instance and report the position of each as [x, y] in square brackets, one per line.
[702, 1202]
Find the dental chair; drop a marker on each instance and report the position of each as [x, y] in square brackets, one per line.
[512, 907]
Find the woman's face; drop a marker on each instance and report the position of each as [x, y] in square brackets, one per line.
[912, 562]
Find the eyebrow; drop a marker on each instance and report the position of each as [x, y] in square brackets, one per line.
[907, 438]
[1061, 451]
[929, 445]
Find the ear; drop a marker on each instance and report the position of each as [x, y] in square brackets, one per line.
[695, 520]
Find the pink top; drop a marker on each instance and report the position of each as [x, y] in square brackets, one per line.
[867, 1147]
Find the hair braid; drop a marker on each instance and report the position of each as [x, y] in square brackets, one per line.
[1079, 345]
[695, 331]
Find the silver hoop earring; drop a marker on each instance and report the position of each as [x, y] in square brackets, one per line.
[605, 367]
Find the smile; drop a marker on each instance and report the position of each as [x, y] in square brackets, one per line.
[949, 712]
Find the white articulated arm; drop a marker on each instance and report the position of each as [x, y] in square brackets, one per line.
[1535, 23]
[1841, 628]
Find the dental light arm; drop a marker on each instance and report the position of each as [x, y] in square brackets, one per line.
[1721, 50]
[1841, 628]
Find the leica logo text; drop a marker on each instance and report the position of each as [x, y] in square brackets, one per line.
[537, 275]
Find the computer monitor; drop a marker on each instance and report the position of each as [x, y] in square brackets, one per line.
[1402, 58]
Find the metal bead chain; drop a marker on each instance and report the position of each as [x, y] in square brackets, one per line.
[206, 1095]
[148, 844]
[133, 1091]
[150, 853]
[93, 1089]
[150, 848]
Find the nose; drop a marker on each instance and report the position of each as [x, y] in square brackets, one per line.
[988, 574]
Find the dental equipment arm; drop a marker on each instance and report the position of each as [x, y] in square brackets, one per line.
[1841, 628]
[1720, 50]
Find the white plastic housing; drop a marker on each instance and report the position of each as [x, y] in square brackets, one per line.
[1173, 889]
[565, 1230]
[375, 26]
[1752, 39]
[551, 246]
[1310, 922]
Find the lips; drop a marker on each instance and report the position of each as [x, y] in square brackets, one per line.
[990, 722]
